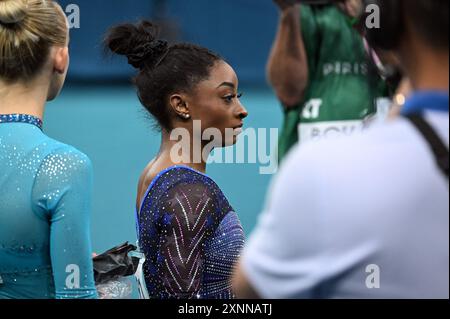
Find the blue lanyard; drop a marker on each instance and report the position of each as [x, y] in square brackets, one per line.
[426, 101]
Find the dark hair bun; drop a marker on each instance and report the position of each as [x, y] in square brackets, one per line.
[139, 43]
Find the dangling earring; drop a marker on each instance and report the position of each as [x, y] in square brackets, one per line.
[187, 116]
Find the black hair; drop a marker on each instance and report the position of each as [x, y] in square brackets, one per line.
[429, 19]
[163, 69]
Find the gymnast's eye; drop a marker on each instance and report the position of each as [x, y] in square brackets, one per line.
[229, 98]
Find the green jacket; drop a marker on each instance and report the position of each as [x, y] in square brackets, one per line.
[338, 96]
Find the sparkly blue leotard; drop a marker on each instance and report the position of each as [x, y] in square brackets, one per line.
[190, 235]
[45, 189]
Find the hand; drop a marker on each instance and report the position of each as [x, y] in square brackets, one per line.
[286, 4]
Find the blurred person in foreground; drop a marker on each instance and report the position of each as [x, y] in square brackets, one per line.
[320, 69]
[367, 216]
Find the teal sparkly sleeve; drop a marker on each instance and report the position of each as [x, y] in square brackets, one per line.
[62, 195]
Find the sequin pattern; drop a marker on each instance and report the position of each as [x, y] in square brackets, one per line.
[190, 235]
[44, 213]
[21, 118]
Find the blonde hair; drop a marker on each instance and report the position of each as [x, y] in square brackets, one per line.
[28, 30]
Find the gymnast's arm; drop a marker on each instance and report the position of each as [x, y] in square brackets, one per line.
[189, 209]
[62, 193]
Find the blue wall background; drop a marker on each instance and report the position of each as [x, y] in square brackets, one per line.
[240, 30]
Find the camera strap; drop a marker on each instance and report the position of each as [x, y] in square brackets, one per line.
[438, 147]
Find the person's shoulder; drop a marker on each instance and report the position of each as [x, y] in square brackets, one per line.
[180, 184]
[361, 147]
[180, 175]
[171, 177]
[440, 123]
[147, 176]
[55, 147]
[64, 157]
[306, 12]
[183, 179]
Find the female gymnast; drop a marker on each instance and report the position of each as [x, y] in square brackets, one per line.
[187, 229]
[45, 186]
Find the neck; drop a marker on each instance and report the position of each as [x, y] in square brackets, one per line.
[187, 152]
[427, 69]
[19, 98]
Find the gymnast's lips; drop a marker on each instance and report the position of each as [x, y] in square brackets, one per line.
[239, 129]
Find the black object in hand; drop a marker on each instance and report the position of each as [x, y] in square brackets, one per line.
[115, 263]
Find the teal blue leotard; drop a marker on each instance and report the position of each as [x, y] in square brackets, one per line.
[45, 198]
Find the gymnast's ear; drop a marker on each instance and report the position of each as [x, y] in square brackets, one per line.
[60, 59]
[179, 105]
[60, 64]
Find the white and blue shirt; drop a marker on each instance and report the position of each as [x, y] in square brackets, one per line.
[360, 217]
